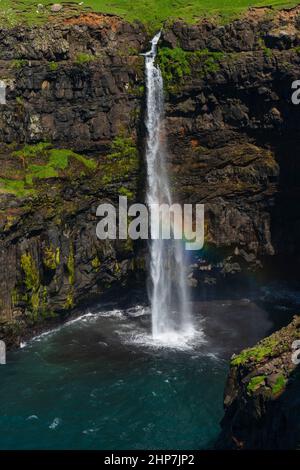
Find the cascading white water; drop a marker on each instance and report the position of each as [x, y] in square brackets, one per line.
[171, 316]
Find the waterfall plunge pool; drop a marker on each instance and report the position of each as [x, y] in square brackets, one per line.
[100, 382]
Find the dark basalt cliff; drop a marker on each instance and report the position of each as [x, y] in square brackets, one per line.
[79, 86]
[262, 401]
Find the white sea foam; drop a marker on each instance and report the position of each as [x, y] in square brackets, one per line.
[132, 332]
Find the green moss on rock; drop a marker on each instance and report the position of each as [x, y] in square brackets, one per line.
[53, 66]
[84, 58]
[37, 296]
[32, 278]
[69, 304]
[126, 192]
[96, 263]
[71, 265]
[19, 63]
[32, 151]
[174, 64]
[16, 187]
[41, 161]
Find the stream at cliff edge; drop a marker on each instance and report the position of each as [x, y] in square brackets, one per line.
[99, 382]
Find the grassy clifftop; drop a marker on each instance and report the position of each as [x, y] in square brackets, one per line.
[152, 12]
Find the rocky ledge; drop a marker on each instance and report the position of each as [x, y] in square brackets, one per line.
[262, 400]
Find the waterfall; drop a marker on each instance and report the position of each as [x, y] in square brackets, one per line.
[171, 316]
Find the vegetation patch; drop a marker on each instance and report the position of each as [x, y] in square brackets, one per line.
[36, 295]
[264, 349]
[32, 278]
[69, 303]
[16, 187]
[174, 65]
[121, 163]
[53, 66]
[279, 385]
[126, 192]
[267, 52]
[69, 300]
[153, 13]
[71, 265]
[84, 58]
[96, 263]
[51, 258]
[41, 162]
[269, 348]
[177, 65]
[19, 63]
[209, 61]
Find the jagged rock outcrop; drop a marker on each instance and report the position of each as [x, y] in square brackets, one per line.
[261, 399]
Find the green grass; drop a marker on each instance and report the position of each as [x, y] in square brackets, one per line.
[152, 12]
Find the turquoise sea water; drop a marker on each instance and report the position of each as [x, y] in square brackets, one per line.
[100, 383]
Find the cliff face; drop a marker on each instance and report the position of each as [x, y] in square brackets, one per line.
[261, 399]
[79, 86]
[75, 85]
